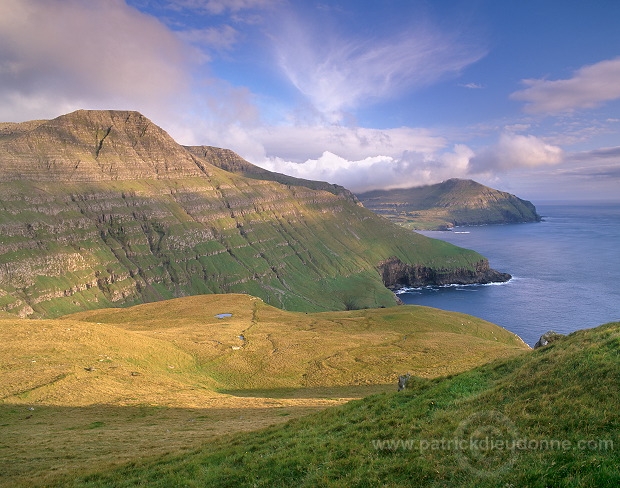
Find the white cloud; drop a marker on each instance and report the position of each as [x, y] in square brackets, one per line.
[472, 86]
[221, 7]
[589, 87]
[515, 151]
[60, 55]
[405, 165]
[410, 168]
[223, 37]
[299, 143]
[337, 73]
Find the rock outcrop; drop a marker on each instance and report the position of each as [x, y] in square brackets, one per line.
[396, 274]
[548, 338]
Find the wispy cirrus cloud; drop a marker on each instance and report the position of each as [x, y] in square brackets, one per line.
[218, 7]
[603, 153]
[336, 72]
[590, 86]
[472, 86]
[220, 38]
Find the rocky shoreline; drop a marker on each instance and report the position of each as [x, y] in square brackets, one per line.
[396, 275]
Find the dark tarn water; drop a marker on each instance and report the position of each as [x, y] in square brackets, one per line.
[566, 271]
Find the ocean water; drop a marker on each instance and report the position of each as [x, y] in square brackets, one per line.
[566, 271]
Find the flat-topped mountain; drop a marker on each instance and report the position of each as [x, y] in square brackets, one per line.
[448, 204]
[104, 208]
[93, 145]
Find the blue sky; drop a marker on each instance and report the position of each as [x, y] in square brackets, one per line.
[521, 95]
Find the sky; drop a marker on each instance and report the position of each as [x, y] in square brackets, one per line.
[521, 95]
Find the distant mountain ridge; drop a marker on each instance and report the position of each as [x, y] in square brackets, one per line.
[104, 208]
[453, 202]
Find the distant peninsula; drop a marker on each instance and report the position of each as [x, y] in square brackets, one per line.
[455, 202]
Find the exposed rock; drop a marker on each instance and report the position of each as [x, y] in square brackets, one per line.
[396, 274]
[402, 381]
[95, 145]
[548, 338]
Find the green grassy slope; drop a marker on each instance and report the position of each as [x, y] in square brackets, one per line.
[179, 344]
[109, 386]
[103, 209]
[232, 162]
[444, 205]
[546, 418]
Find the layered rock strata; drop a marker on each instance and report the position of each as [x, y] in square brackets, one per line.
[103, 208]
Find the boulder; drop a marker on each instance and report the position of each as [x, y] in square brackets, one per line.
[547, 338]
[402, 381]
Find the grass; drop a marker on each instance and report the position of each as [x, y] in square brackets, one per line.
[556, 406]
[118, 243]
[444, 205]
[115, 385]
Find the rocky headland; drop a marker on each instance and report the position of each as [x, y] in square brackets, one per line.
[454, 202]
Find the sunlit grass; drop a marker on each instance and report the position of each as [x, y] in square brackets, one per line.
[111, 386]
[566, 392]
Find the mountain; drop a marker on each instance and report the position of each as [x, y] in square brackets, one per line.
[230, 161]
[103, 209]
[549, 417]
[445, 205]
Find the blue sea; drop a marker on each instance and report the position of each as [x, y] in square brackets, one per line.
[566, 271]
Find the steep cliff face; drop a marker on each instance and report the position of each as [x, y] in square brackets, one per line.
[451, 203]
[396, 274]
[104, 209]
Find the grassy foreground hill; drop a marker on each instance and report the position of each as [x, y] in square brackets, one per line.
[546, 418]
[103, 209]
[444, 205]
[109, 386]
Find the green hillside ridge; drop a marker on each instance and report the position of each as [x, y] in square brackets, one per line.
[454, 202]
[115, 385]
[230, 161]
[549, 418]
[104, 209]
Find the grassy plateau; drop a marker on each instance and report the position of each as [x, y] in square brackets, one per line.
[550, 418]
[105, 387]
